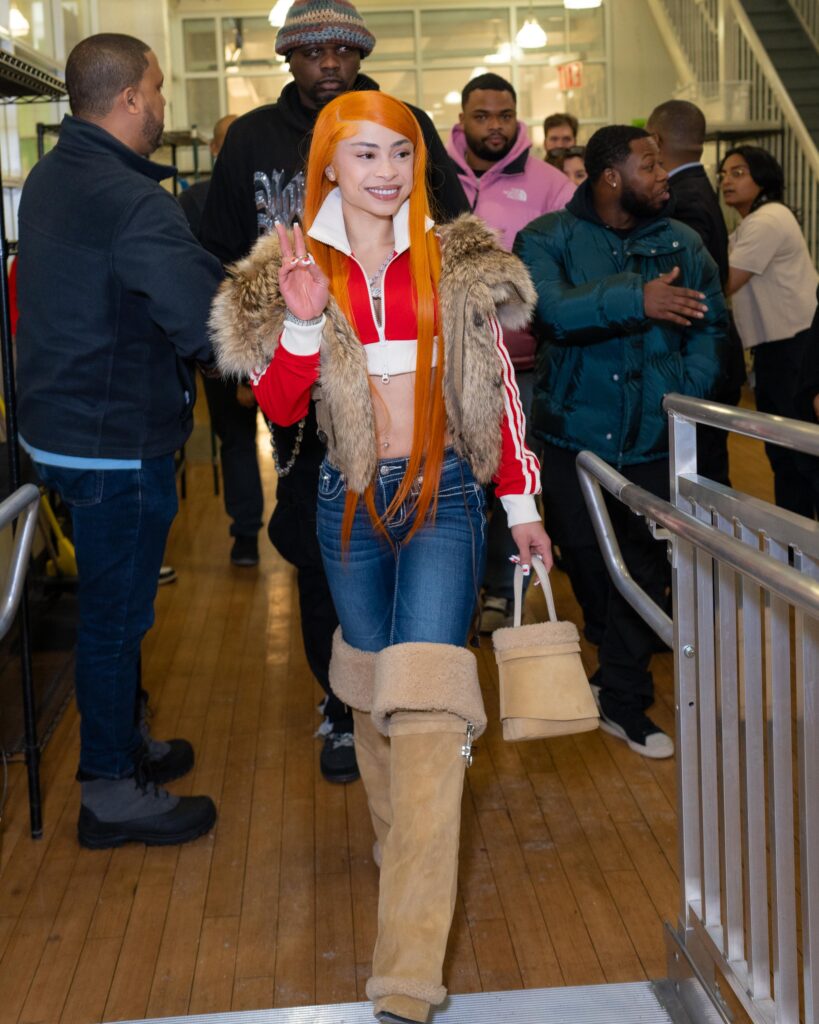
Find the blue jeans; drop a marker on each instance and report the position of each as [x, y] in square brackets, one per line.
[121, 519]
[417, 591]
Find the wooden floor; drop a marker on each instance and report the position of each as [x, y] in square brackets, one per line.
[568, 848]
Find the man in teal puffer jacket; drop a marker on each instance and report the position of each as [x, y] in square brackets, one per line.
[630, 308]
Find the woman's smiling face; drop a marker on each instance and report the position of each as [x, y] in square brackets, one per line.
[373, 169]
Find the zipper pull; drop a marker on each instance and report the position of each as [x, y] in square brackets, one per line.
[466, 749]
[385, 378]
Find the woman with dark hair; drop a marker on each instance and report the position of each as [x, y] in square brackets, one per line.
[397, 326]
[773, 283]
[571, 161]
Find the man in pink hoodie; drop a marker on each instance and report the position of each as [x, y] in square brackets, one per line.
[507, 188]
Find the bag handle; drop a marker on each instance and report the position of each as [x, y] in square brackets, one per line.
[543, 576]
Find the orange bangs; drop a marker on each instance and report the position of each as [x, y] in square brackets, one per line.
[337, 121]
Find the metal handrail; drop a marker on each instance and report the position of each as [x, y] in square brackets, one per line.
[787, 583]
[23, 503]
[764, 426]
[808, 13]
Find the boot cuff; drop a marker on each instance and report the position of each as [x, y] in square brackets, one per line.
[427, 677]
[380, 988]
[352, 673]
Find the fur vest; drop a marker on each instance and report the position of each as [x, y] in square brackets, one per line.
[478, 280]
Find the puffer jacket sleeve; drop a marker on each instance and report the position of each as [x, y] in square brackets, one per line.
[569, 314]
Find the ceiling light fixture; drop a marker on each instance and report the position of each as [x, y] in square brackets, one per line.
[278, 12]
[504, 54]
[531, 36]
[18, 23]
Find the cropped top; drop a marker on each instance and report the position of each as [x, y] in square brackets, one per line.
[283, 387]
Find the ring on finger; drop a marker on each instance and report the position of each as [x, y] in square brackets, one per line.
[307, 259]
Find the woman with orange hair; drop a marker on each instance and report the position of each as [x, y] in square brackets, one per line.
[394, 329]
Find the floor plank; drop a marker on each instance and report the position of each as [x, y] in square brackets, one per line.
[568, 848]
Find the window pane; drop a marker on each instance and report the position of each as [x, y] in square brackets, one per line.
[441, 97]
[395, 35]
[462, 34]
[553, 22]
[203, 102]
[73, 23]
[246, 92]
[30, 23]
[539, 94]
[587, 33]
[400, 84]
[249, 43]
[199, 39]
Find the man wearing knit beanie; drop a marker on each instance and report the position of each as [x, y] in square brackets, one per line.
[258, 179]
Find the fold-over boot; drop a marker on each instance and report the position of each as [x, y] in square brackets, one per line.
[427, 698]
[352, 678]
[373, 754]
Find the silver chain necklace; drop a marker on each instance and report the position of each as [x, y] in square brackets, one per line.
[376, 280]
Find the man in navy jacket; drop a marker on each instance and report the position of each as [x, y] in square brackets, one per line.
[114, 293]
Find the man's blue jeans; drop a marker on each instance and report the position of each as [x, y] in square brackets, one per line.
[423, 590]
[121, 519]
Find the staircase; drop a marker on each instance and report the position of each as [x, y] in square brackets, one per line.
[792, 53]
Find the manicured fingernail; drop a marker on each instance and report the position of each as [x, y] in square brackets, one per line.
[536, 555]
[514, 559]
[525, 570]
[536, 583]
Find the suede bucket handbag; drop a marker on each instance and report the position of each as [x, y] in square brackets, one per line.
[543, 686]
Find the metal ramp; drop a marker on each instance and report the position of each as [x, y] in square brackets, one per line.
[635, 1003]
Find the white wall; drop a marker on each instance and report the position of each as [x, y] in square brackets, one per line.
[642, 71]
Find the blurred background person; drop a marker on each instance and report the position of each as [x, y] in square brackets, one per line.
[571, 162]
[679, 128]
[559, 132]
[232, 409]
[773, 283]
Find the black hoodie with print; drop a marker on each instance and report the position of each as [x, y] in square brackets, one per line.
[259, 175]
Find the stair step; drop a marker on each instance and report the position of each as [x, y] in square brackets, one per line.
[785, 39]
[794, 60]
[774, 21]
[634, 1003]
[764, 6]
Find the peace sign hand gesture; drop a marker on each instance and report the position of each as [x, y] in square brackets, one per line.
[302, 285]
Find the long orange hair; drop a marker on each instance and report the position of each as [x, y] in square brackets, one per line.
[338, 121]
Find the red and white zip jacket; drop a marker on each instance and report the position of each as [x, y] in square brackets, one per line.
[283, 388]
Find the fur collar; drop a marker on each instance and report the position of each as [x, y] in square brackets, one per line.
[479, 279]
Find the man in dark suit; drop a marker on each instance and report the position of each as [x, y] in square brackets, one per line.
[679, 128]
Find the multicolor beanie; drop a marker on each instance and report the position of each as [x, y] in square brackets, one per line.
[315, 22]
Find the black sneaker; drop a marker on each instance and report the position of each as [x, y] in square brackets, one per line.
[135, 810]
[167, 574]
[637, 730]
[337, 760]
[245, 551]
[392, 1018]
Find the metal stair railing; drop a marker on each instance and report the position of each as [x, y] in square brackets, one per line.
[721, 46]
[808, 13]
[23, 503]
[745, 637]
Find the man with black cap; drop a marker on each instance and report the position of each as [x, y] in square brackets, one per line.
[259, 179]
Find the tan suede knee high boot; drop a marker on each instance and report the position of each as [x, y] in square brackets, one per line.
[352, 677]
[426, 695]
[372, 751]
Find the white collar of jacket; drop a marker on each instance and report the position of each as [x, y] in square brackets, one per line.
[328, 227]
[479, 281]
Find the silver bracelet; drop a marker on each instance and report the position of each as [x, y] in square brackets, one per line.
[293, 319]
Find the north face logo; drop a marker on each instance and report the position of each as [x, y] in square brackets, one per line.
[516, 193]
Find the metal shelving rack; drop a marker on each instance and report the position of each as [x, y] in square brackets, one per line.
[21, 82]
